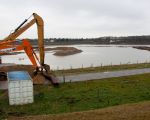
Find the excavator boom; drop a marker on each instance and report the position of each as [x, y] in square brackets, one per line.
[10, 40]
[23, 27]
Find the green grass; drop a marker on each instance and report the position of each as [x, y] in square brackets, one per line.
[79, 96]
[102, 69]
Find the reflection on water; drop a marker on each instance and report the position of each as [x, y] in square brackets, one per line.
[92, 55]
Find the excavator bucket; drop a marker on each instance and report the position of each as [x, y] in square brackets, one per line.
[52, 79]
[45, 77]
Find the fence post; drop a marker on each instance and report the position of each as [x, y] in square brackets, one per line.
[98, 93]
[101, 64]
[70, 81]
[82, 66]
[111, 64]
[64, 80]
[57, 67]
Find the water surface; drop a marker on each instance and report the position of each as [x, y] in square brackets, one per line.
[92, 55]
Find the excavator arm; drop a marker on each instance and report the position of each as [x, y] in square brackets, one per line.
[23, 27]
[11, 46]
[25, 45]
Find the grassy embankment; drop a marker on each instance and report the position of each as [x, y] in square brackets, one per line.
[132, 111]
[102, 68]
[79, 96]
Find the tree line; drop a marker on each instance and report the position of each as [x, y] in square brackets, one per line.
[99, 40]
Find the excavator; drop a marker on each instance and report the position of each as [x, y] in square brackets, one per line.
[10, 44]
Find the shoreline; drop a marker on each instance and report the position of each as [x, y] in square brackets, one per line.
[58, 51]
[142, 48]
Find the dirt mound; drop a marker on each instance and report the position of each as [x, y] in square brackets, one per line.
[64, 51]
[15, 67]
[143, 48]
[37, 79]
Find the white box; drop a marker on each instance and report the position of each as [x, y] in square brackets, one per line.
[20, 88]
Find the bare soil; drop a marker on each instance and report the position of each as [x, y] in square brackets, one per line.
[37, 79]
[15, 67]
[138, 111]
[64, 51]
[143, 48]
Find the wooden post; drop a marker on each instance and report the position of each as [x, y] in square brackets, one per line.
[64, 80]
[98, 93]
[57, 67]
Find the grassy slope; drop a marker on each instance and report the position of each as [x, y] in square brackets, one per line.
[102, 68]
[136, 111]
[82, 96]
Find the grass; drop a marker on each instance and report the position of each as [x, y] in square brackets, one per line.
[102, 69]
[134, 111]
[80, 96]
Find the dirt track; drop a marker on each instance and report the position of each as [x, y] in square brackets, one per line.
[138, 111]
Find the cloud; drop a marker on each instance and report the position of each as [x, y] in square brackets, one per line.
[78, 18]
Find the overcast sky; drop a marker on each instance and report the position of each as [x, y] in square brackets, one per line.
[78, 18]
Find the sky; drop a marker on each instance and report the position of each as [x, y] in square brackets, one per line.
[78, 18]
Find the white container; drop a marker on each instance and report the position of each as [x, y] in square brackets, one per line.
[20, 88]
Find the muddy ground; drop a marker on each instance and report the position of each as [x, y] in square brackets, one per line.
[37, 78]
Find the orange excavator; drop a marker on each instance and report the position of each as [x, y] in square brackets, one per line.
[10, 44]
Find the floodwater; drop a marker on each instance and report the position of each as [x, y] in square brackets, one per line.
[92, 55]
